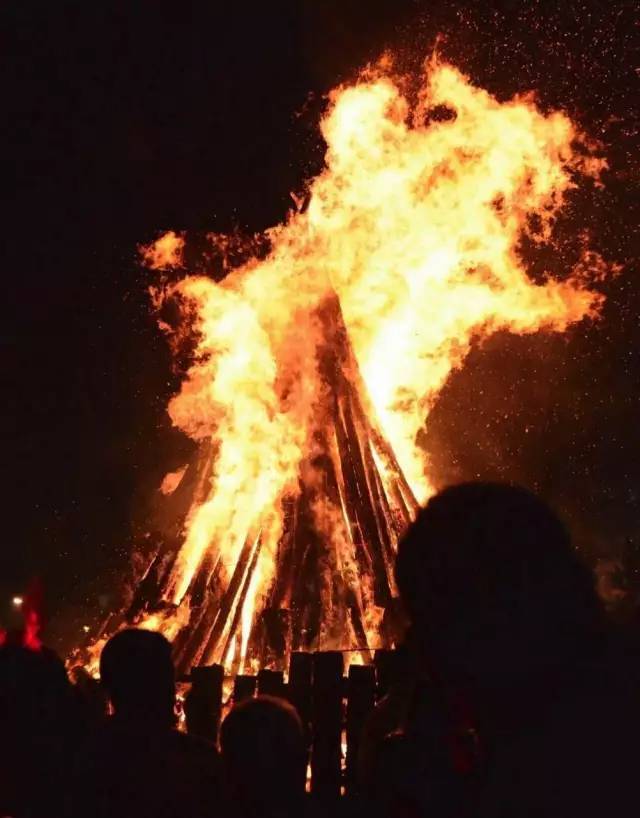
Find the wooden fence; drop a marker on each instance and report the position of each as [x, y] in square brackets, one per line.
[333, 708]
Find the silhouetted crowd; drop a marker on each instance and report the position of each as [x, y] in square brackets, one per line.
[517, 699]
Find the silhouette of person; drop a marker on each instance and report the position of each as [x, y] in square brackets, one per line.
[506, 622]
[90, 697]
[139, 765]
[38, 726]
[265, 759]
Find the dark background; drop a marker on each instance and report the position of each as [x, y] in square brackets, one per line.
[123, 119]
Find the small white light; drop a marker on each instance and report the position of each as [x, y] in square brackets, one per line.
[86, 628]
[17, 601]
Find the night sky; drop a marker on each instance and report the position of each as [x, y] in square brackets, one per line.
[121, 120]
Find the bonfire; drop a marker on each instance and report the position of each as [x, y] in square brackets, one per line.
[316, 362]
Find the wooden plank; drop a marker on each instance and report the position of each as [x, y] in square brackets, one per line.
[361, 686]
[190, 643]
[351, 494]
[299, 687]
[271, 683]
[230, 596]
[286, 556]
[344, 360]
[327, 725]
[237, 616]
[365, 508]
[244, 687]
[203, 703]
[356, 618]
[147, 587]
[305, 595]
[387, 667]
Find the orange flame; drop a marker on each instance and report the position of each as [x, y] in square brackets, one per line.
[165, 252]
[172, 480]
[415, 225]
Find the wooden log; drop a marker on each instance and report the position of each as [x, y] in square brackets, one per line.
[190, 643]
[255, 643]
[169, 518]
[395, 521]
[148, 587]
[356, 619]
[387, 454]
[361, 686]
[230, 596]
[386, 533]
[305, 597]
[286, 557]
[335, 499]
[341, 358]
[299, 688]
[338, 588]
[351, 495]
[365, 508]
[237, 616]
[201, 580]
[271, 683]
[277, 627]
[327, 725]
[388, 668]
[365, 412]
[203, 702]
[244, 687]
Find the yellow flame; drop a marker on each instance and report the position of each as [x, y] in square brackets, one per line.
[165, 252]
[172, 480]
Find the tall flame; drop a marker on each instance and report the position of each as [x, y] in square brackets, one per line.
[415, 225]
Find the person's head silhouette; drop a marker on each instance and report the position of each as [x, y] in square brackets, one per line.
[39, 726]
[264, 754]
[137, 672]
[492, 585]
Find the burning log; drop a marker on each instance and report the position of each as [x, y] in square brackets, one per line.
[363, 504]
[240, 604]
[305, 593]
[188, 646]
[230, 597]
[342, 481]
[287, 553]
[314, 600]
[170, 518]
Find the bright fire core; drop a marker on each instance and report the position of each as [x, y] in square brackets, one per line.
[317, 363]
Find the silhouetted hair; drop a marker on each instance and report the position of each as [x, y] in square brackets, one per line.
[137, 672]
[263, 746]
[491, 582]
[38, 727]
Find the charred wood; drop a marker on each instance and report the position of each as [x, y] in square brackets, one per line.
[203, 703]
[361, 685]
[327, 725]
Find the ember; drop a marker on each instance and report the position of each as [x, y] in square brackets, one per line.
[316, 365]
